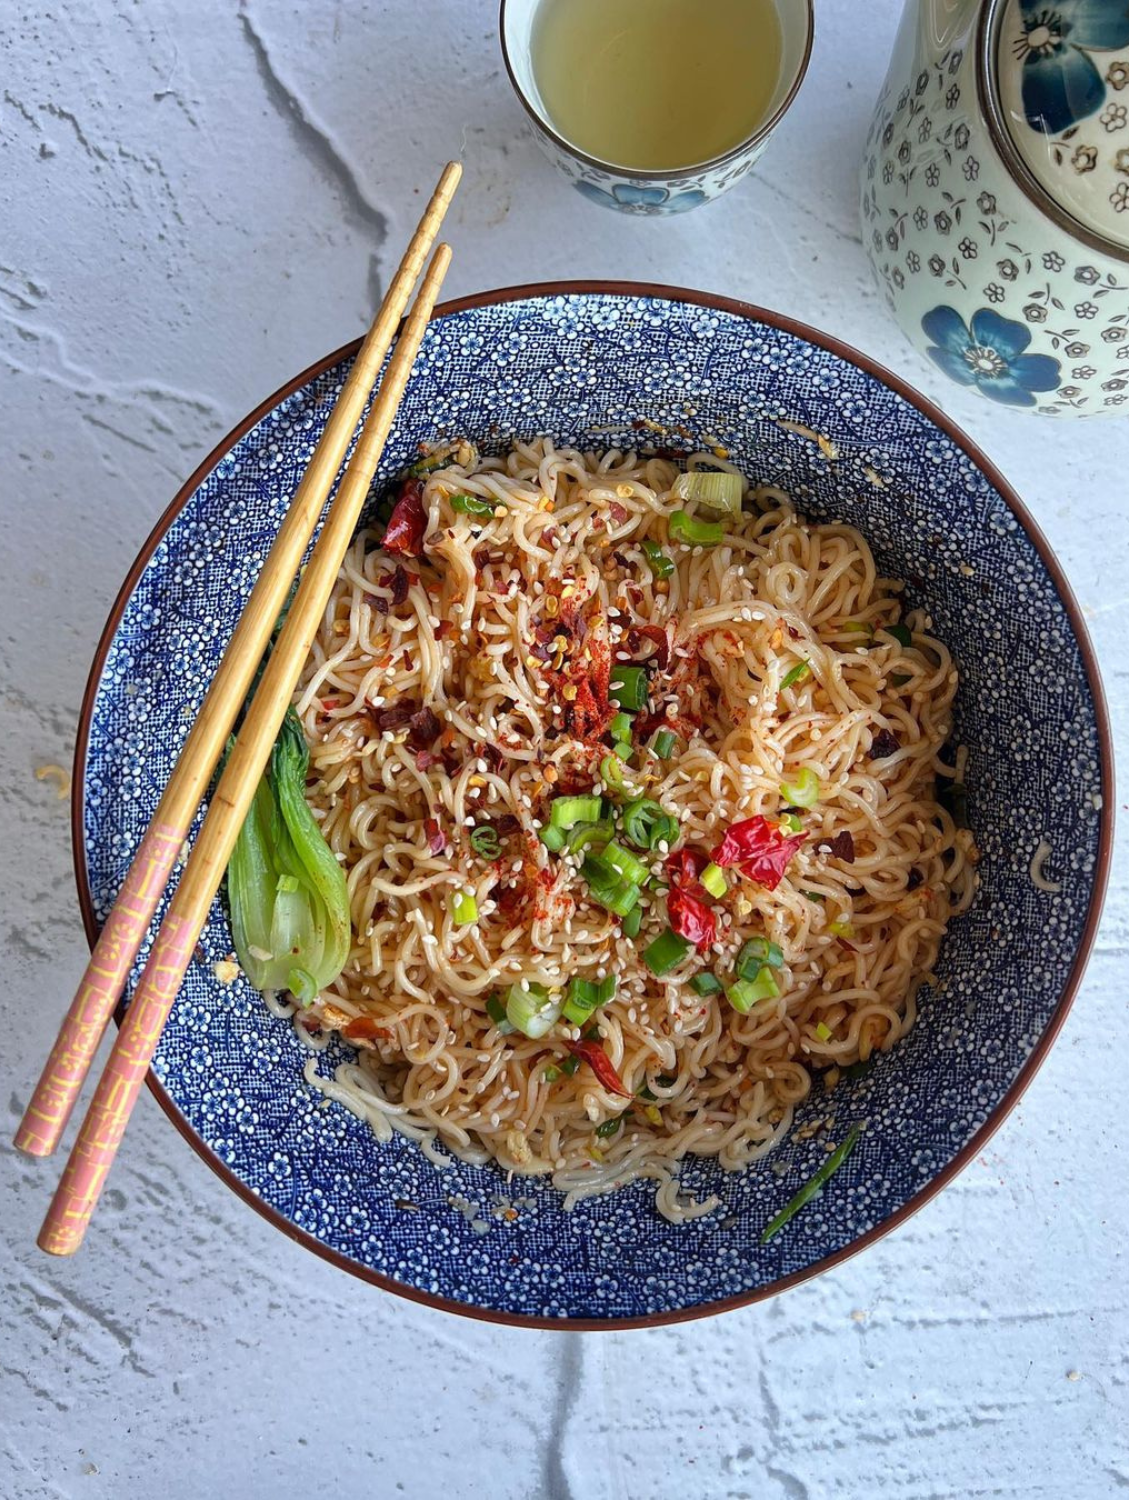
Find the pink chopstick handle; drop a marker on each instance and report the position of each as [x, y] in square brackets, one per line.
[118, 1088]
[61, 1082]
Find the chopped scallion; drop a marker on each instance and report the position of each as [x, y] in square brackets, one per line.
[496, 1010]
[464, 908]
[484, 841]
[608, 889]
[620, 728]
[632, 922]
[713, 879]
[901, 634]
[801, 670]
[568, 811]
[588, 836]
[706, 984]
[628, 687]
[841, 930]
[664, 743]
[531, 1009]
[694, 532]
[813, 1184]
[823, 1031]
[624, 863]
[585, 996]
[646, 825]
[611, 772]
[717, 489]
[754, 954]
[666, 952]
[609, 1127]
[661, 565]
[792, 822]
[473, 505]
[552, 838]
[551, 1073]
[569, 1066]
[803, 790]
[749, 992]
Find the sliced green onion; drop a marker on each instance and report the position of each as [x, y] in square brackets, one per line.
[632, 922]
[901, 634]
[706, 984]
[485, 841]
[841, 929]
[473, 505]
[858, 627]
[570, 1065]
[823, 1031]
[792, 823]
[753, 956]
[692, 531]
[663, 743]
[608, 889]
[551, 1073]
[749, 992]
[584, 997]
[496, 1010]
[566, 812]
[464, 908]
[624, 863]
[803, 790]
[621, 728]
[646, 825]
[717, 489]
[817, 896]
[797, 674]
[586, 835]
[813, 1184]
[661, 565]
[286, 885]
[531, 1009]
[713, 879]
[628, 687]
[611, 771]
[666, 952]
[609, 1127]
[552, 838]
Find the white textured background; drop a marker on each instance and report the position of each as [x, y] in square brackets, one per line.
[197, 199]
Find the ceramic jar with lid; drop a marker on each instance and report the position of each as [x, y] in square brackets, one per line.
[995, 197]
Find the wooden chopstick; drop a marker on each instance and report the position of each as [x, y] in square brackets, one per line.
[100, 988]
[105, 1122]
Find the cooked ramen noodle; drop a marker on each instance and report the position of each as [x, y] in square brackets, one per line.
[586, 962]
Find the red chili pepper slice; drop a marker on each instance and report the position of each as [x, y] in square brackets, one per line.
[601, 1064]
[690, 918]
[408, 521]
[758, 849]
[436, 838]
[685, 865]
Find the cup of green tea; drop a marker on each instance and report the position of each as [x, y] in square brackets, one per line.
[655, 106]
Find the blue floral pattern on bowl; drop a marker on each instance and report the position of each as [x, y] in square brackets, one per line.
[1061, 82]
[988, 353]
[584, 366]
[637, 199]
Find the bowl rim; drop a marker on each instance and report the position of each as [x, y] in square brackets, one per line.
[669, 174]
[747, 310]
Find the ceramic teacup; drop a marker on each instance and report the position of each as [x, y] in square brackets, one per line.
[647, 192]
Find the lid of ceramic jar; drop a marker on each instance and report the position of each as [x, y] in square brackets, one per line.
[1062, 89]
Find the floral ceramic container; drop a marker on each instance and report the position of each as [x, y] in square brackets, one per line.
[638, 192]
[995, 197]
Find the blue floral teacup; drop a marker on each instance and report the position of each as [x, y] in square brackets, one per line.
[664, 192]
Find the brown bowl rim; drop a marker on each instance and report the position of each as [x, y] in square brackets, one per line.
[1101, 870]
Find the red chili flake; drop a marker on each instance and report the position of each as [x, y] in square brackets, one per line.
[758, 849]
[381, 606]
[793, 632]
[655, 633]
[549, 536]
[849, 946]
[620, 559]
[363, 1029]
[408, 521]
[504, 826]
[436, 839]
[493, 757]
[842, 846]
[400, 584]
[328, 703]
[424, 759]
[690, 918]
[883, 744]
[617, 512]
[424, 729]
[684, 866]
[397, 716]
[601, 1064]
[443, 630]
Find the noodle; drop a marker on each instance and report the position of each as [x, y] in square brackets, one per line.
[507, 629]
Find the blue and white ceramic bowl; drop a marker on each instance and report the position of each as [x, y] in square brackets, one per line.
[660, 192]
[584, 363]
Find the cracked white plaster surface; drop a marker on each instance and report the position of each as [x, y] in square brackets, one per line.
[196, 201]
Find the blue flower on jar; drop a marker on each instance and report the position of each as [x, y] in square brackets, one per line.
[988, 353]
[1061, 85]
